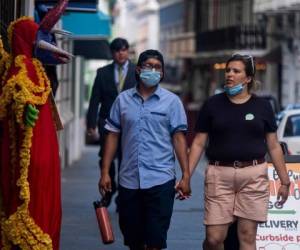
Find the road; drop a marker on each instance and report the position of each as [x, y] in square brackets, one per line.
[79, 225]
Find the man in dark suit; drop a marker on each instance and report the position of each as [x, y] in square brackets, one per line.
[109, 82]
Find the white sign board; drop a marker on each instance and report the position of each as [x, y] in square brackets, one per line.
[282, 230]
[261, 6]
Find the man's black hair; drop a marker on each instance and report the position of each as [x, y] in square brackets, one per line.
[118, 44]
[150, 53]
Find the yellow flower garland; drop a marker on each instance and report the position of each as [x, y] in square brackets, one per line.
[20, 229]
[4, 58]
[4, 65]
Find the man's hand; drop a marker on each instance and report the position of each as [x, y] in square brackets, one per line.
[92, 132]
[183, 188]
[31, 115]
[283, 194]
[104, 184]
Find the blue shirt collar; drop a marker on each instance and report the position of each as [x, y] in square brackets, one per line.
[157, 92]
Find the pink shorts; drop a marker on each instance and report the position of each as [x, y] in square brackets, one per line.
[236, 192]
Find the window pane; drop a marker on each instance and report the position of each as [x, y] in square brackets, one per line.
[292, 127]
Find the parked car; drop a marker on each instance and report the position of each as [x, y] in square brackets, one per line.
[290, 106]
[273, 101]
[289, 130]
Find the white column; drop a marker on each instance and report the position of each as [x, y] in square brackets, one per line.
[28, 8]
[153, 25]
[78, 132]
[288, 75]
[296, 92]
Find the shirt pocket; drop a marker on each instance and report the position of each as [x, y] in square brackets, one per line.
[158, 121]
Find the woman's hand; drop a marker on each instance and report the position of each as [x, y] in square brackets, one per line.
[283, 194]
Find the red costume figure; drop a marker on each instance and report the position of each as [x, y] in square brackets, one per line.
[29, 155]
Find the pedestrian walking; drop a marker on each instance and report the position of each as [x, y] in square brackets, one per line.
[152, 123]
[109, 82]
[238, 128]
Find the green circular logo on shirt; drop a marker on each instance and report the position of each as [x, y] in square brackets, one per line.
[249, 117]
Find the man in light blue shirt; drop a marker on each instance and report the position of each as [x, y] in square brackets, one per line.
[109, 82]
[152, 123]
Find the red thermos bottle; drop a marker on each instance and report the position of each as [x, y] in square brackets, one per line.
[104, 222]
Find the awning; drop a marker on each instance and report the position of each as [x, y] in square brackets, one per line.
[87, 24]
[92, 49]
[90, 32]
[274, 55]
[73, 5]
[219, 56]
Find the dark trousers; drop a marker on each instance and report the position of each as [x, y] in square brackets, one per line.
[145, 215]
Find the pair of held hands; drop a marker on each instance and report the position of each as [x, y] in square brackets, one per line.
[182, 187]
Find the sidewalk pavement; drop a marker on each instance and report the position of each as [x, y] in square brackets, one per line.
[79, 225]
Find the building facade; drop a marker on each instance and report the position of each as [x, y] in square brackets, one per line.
[138, 22]
[171, 32]
[224, 27]
[282, 22]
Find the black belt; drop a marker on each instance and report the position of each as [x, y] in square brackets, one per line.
[237, 164]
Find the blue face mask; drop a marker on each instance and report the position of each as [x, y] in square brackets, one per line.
[149, 77]
[232, 91]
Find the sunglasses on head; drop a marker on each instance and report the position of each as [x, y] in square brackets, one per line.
[246, 57]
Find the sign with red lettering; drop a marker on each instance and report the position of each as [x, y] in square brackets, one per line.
[282, 230]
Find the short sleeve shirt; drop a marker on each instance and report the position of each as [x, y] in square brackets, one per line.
[236, 131]
[146, 129]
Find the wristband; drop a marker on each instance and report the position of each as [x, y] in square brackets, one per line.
[286, 184]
